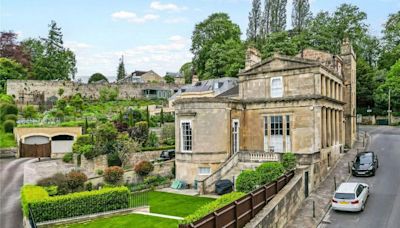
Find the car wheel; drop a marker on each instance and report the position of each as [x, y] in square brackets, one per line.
[363, 207]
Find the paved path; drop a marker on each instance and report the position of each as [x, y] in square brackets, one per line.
[11, 179]
[383, 205]
[158, 215]
[323, 194]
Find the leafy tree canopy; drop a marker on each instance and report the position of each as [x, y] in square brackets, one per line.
[10, 69]
[97, 77]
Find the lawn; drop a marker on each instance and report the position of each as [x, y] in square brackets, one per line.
[175, 204]
[6, 139]
[131, 220]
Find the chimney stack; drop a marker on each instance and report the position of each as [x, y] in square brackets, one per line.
[253, 57]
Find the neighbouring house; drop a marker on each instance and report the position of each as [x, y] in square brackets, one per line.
[226, 87]
[178, 77]
[51, 142]
[303, 104]
[157, 93]
[142, 77]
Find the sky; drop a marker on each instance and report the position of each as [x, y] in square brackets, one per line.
[149, 34]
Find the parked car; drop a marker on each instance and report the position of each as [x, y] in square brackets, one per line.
[350, 197]
[167, 155]
[365, 164]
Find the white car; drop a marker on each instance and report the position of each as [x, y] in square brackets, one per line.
[350, 197]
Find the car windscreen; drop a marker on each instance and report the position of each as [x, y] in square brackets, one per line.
[345, 196]
[364, 159]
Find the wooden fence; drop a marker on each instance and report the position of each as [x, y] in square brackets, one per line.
[240, 212]
[35, 150]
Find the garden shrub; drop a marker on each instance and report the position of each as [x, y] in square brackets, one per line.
[289, 161]
[67, 158]
[158, 148]
[87, 151]
[152, 140]
[89, 186]
[31, 193]
[6, 109]
[139, 132]
[247, 181]
[155, 180]
[80, 203]
[29, 112]
[80, 141]
[269, 171]
[8, 126]
[212, 206]
[99, 172]
[168, 132]
[113, 175]
[76, 180]
[143, 168]
[51, 190]
[11, 117]
[59, 180]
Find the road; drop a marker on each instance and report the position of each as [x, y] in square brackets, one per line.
[383, 206]
[11, 180]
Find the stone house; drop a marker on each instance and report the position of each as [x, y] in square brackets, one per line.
[178, 77]
[303, 104]
[142, 77]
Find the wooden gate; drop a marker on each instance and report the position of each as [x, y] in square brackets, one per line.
[35, 150]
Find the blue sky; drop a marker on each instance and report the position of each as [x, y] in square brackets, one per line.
[150, 34]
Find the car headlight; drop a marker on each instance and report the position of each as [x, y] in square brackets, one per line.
[371, 168]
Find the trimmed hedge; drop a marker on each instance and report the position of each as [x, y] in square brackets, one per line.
[289, 161]
[158, 148]
[247, 181]
[269, 172]
[212, 206]
[47, 208]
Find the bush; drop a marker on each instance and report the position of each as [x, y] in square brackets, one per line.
[152, 140]
[289, 161]
[11, 117]
[51, 190]
[6, 109]
[113, 175]
[139, 132]
[155, 180]
[59, 180]
[143, 168]
[269, 172]
[87, 151]
[99, 172]
[8, 126]
[67, 158]
[89, 186]
[31, 193]
[29, 112]
[212, 206]
[47, 208]
[168, 132]
[76, 180]
[158, 148]
[247, 181]
[80, 141]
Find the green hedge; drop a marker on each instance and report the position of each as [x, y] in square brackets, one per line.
[47, 208]
[31, 193]
[212, 206]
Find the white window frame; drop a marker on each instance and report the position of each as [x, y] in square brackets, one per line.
[181, 136]
[238, 135]
[204, 174]
[271, 88]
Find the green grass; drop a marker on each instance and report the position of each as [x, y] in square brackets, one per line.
[132, 220]
[7, 139]
[175, 204]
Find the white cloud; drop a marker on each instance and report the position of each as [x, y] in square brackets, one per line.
[133, 17]
[156, 5]
[167, 56]
[76, 46]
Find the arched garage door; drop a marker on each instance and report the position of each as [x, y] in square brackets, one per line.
[35, 146]
[62, 143]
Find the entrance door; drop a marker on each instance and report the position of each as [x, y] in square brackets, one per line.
[235, 135]
[277, 133]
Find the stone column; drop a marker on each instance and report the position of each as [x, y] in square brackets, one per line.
[328, 88]
[323, 127]
[329, 129]
[323, 85]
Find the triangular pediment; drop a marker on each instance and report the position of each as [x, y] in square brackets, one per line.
[279, 62]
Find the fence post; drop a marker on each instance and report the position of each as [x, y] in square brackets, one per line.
[252, 205]
[236, 215]
[215, 219]
[313, 209]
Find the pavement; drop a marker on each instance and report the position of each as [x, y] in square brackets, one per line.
[304, 217]
[11, 180]
[383, 205]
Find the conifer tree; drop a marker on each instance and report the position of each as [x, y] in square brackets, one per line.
[301, 15]
[255, 19]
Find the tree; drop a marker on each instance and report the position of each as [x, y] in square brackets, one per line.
[225, 60]
[10, 69]
[322, 34]
[50, 60]
[391, 42]
[29, 112]
[186, 71]
[121, 69]
[216, 29]
[169, 79]
[278, 15]
[301, 15]
[97, 77]
[162, 116]
[255, 19]
[366, 83]
[266, 19]
[392, 83]
[10, 48]
[279, 42]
